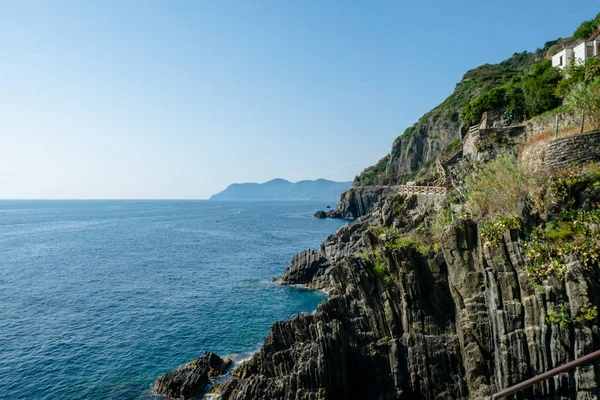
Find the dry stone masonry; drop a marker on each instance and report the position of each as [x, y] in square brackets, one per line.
[563, 152]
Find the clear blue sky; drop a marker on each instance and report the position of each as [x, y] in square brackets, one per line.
[177, 99]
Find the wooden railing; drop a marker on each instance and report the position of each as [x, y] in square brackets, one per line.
[409, 189]
[474, 129]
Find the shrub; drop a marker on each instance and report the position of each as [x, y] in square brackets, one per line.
[587, 314]
[442, 220]
[585, 98]
[533, 91]
[578, 73]
[572, 234]
[375, 174]
[492, 231]
[401, 243]
[559, 231]
[559, 315]
[564, 185]
[407, 243]
[379, 266]
[586, 28]
[451, 147]
[539, 87]
[492, 99]
[499, 188]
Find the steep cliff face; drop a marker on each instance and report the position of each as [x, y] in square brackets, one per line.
[502, 327]
[460, 322]
[413, 153]
[422, 145]
[459, 316]
[359, 201]
[426, 303]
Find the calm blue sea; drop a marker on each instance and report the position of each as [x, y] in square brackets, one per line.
[98, 298]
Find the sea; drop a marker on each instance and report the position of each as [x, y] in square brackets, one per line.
[99, 298]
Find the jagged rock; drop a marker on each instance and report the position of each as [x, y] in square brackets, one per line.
[191, 379]
[226, 389]
[320, 214]
[402, 322]
[359, 201]
[304, 267]
[460, 323]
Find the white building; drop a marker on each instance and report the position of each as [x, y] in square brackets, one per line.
[581, 52]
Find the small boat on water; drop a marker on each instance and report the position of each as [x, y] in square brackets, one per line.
[240, 211]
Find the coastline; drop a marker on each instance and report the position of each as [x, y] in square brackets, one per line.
[238, 360]
[302, 286]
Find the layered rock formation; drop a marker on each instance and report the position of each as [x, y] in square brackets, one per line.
[460, 322]
[455, 315]
[191, 379]
[359, 201]
[320, 214]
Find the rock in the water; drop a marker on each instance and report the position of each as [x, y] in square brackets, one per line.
[328, 207]
[320, 214]
[191, 379]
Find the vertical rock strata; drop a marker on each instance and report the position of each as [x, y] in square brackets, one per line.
[191, 379]
[457, 323]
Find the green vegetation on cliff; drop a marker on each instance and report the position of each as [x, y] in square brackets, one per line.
[587, 28]
[526, 94]
[502, 193]
[474, 84]
[521, 87]
[374, 174]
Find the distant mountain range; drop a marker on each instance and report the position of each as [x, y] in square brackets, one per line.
[280, 189]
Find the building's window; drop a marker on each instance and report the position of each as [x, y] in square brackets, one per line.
[589, 51]
[560, 62]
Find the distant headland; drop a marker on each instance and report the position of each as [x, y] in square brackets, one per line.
[281, 189]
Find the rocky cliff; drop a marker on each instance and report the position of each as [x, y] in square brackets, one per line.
[413, 154]
[449, 297]
[458, 320]
[457, 311]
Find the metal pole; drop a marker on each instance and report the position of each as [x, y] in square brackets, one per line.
[556, 127]
[542, 377]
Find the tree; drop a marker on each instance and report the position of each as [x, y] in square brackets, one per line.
[587, 28]
[578, 73]
[585, 98]
[539, 87]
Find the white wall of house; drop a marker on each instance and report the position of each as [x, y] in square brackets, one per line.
[579, 53]
[562, 58]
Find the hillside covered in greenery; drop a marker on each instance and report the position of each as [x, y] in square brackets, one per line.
[519, 88]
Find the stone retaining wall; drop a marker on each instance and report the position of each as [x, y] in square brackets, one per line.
[561, 153]
[547, 123]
